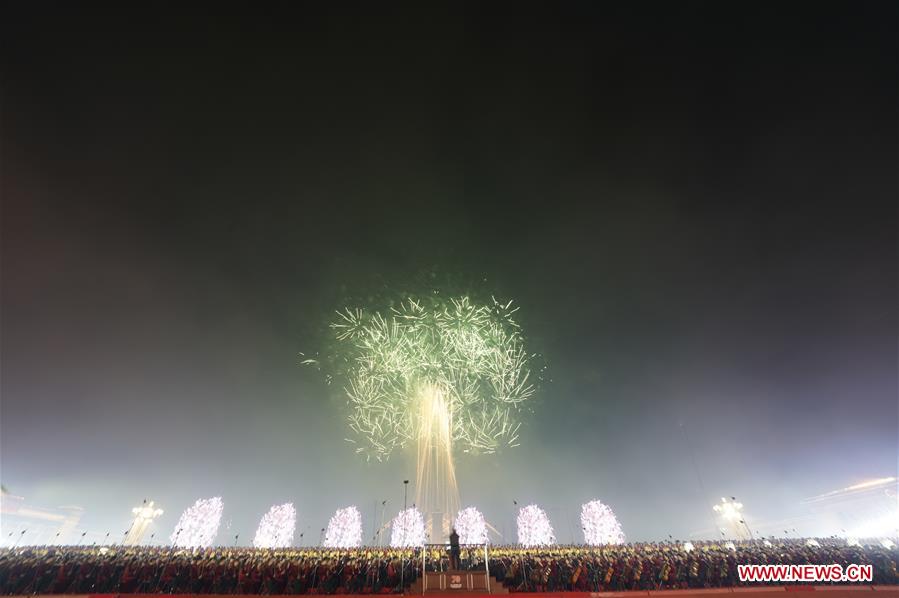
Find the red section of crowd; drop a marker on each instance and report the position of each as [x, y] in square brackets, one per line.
[83, 570]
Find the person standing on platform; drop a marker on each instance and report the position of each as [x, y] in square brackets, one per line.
[454, 550]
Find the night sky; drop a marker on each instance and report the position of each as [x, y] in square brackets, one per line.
[694, 206]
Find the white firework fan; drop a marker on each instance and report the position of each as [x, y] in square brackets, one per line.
[277, 527]
[408, 529]
[199, 524]
[344, 529]
[471, 526]
[534, 528]
[600, 524]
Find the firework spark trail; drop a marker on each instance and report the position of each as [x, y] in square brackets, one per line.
[600, 524]
[276, 527]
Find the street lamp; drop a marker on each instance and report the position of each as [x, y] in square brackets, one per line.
[403, 554]
[731, 512]
[143, 517]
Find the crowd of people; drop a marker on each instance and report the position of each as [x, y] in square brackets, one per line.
[649, 566]
[663, 566]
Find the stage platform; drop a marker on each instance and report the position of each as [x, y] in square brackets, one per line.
[859, 591]
[456, 582]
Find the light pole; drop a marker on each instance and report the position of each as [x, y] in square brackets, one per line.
[743, 521]
[143, 518]
[381, 524]
[403, 547]
[731, 512]
[21, 535]
[748, 529]
[405, 494]
[522, 562]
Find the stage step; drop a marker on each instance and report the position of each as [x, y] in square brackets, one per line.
[456, 582]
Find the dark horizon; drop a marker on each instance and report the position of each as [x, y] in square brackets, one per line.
[694, 206]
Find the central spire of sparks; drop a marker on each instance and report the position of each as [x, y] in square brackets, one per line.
[436, 490]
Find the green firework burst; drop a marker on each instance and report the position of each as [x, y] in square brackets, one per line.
[474, 354]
